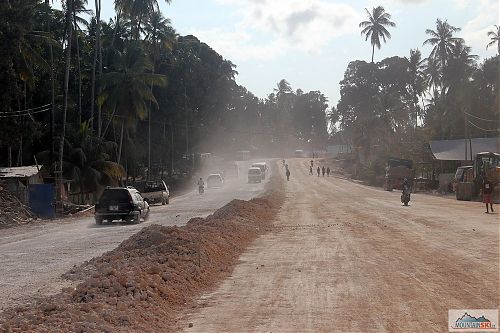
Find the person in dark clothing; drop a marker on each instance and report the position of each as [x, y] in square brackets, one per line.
[328, 171]
[287, 174]
[312, 163]
[318, 170]
[487, 191]
[310, 170]
[323, 171]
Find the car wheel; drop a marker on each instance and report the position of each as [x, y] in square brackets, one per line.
[98, 220]
[168, 200]
[163, 201]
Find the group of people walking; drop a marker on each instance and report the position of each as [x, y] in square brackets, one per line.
[319, 171]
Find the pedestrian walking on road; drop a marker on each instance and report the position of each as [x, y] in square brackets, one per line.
[318, 170]
[287, 174]
[310, 170]
[323, 171]
[328, 171]
[312, 163]
[487, 191]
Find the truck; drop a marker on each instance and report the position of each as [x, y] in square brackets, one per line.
[470, 179]
[396, 171]
[156, 191]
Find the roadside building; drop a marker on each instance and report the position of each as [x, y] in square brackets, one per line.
[451, 154]
[27, 184]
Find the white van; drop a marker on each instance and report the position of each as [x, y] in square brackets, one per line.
[263, 168]
[254, 175]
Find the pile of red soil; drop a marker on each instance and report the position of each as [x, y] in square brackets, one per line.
[142, 285]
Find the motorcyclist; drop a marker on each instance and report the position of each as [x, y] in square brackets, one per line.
[201, 185]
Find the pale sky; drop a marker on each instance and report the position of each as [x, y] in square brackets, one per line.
[311, 42]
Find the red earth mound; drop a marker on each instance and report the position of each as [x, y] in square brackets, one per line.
[144, 283]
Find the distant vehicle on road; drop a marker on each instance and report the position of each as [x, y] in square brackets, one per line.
[396, 171]
[263, 168]
[215, 180]
[122, 204]
[156, 191]
[254, 175]
[299, 153]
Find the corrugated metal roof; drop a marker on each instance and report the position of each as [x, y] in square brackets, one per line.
[19, 172]
[454, 150]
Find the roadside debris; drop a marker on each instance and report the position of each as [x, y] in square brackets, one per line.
[12, 210]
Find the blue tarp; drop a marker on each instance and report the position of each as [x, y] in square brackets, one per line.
[41, 200]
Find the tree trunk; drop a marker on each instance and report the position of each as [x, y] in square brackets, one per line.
[66, 90]
[373, 51]
[94, 64]
[121, 142]
[9, 156]
[99, 46]
[78, 63]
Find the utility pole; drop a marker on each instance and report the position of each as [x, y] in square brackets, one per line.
[171, 148]
[187, 122]
[466, 136]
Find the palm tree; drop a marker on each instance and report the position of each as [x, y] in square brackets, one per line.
[494, 37]
[432, 73]
[375, 27]
[69, 8]
[138, 11]
[159, 33]
[126, 92]
[78, 8]
[416, 68]
[97, 55]
[442, 39]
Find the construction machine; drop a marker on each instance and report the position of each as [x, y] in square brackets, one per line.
[485, 165]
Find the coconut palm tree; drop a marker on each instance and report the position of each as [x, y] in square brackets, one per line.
[432, 73]
[442, 39]
[375, 27]
[126, 92]
[494, 37]
[138, 11]
[416, 67]
[160, 34]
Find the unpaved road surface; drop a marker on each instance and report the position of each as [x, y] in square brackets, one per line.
[349, 258]
[33, 257]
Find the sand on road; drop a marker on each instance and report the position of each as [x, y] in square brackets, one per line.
[343, 257]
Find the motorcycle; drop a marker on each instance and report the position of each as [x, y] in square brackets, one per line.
[201, 189]
[405, 196]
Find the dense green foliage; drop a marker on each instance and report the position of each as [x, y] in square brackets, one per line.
[127, 78]
[395, 106]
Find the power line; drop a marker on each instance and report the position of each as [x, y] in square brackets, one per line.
[483, 129]
[23, 114]
[473, 116]
[26, 110]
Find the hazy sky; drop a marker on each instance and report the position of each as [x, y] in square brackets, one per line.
[310, 42]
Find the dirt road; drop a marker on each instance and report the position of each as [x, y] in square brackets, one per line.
[32, 258]
[348, 258]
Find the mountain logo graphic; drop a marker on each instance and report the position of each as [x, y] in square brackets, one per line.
[469, 322]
